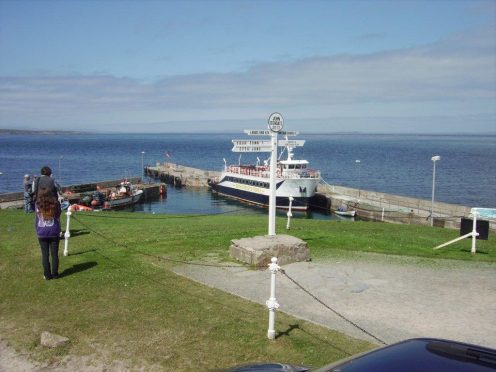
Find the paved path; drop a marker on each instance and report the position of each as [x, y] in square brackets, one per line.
[393, 298]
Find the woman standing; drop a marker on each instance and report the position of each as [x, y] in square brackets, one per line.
[47, 223]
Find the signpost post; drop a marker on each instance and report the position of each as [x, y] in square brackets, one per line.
[276, 124]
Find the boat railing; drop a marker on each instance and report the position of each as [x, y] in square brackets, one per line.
[264, 172]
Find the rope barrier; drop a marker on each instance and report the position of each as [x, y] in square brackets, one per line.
[123, 245]
[331, 309]
[165, 216]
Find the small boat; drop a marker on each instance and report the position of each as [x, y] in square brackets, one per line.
[350, 213]
[251, 183]
[125, 195]
[79, 208]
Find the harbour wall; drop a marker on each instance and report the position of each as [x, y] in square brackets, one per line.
[378, 206]
[179, 175]
[16, 199]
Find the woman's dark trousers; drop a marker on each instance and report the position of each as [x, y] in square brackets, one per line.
[50, 247]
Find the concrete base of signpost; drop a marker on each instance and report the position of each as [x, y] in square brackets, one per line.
[259, 250]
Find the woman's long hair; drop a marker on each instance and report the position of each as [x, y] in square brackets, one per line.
[47, 204]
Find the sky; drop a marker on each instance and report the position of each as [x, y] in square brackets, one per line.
[402, 66]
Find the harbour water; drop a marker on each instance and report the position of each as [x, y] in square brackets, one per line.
[396, 164]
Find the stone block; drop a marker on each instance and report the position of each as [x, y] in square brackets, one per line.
[52, 340]
[258, 250]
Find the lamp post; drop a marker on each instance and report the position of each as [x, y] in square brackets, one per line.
[357, 162]
[142, 164]
[434, 159]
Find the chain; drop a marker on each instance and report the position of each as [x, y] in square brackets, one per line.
[331, 309]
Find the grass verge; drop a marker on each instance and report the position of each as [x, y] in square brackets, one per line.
[114, 304]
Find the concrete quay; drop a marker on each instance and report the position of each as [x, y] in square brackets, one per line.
[377, 206]
[179, 175]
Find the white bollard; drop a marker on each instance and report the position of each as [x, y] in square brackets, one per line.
[67, 234]
[272, 302]
[475, 234]
[289, 214]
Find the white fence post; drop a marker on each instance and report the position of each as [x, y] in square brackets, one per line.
[272, 302]
[289, 214]
[474, 232]
[67, 234]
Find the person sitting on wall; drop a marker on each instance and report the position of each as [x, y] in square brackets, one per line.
[27, 184]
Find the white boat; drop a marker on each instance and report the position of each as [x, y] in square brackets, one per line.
[350, 213]
[126, 194]
[251, 183]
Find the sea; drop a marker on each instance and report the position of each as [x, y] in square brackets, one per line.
[392, 163]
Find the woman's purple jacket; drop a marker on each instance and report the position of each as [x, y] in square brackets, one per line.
[47, 228]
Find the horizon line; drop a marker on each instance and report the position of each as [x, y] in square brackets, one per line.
[76, 132]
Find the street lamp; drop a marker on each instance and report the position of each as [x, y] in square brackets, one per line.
[434, 159]
[142, 164]
[358, 165]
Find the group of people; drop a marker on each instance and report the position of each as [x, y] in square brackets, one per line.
[42, 197]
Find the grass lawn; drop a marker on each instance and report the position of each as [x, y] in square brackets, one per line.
[114, 303]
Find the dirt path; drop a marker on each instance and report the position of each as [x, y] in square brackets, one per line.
[393, 298]
[12, 361]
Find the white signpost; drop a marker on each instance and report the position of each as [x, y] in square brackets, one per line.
[276, 123]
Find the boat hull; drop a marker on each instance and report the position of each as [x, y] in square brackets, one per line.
[126, 201]
[345, 213]
[282, 202]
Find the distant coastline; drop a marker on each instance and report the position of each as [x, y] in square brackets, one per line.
[14, 132]
[7, 132]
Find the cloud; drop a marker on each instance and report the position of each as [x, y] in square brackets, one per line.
[458, 72]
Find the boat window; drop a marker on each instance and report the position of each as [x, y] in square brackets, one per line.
[303, 166]
[291, 166]
[298, 166]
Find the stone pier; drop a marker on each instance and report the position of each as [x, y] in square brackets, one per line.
[179, 175]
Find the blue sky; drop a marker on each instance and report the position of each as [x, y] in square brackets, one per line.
[173, 66]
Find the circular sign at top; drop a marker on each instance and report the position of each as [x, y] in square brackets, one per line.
[276, 122]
